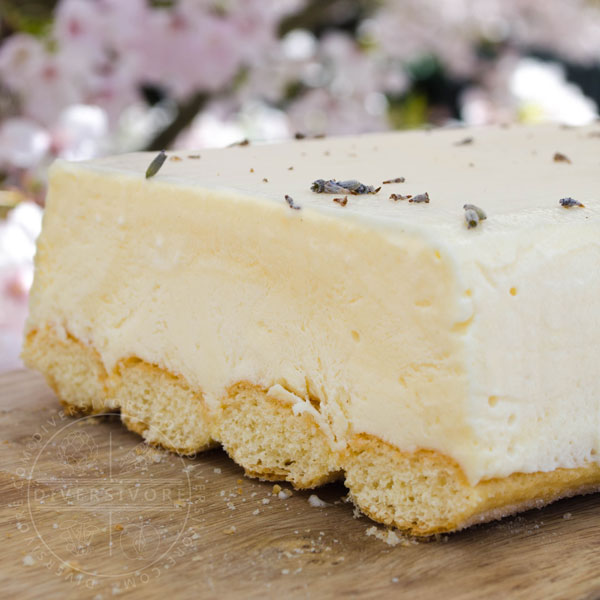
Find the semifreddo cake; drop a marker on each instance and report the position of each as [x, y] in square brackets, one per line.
[270, 298]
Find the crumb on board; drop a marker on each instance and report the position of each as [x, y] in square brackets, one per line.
[316, 502]
[389, 536]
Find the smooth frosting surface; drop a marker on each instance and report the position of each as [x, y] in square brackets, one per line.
[480, 343]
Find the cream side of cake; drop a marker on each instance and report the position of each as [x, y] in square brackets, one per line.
[449, 374]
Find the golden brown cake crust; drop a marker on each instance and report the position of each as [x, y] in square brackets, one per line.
[426, 492]
[422, 492]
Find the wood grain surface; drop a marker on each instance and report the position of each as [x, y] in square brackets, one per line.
[89, 511]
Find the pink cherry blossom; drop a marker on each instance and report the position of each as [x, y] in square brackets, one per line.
[23, 143]
[17, 247]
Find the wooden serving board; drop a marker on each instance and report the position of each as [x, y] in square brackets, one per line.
[87, 510]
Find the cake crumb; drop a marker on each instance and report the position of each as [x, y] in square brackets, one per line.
[567, 516]
[316, 502]
[388, 536]
[118, 527]
[256, 512]
[175, 158]
[73, 565]
[265, 501]
[230, 530]
[28, 560]
[217, 470]
[276, 489]
[284, 494]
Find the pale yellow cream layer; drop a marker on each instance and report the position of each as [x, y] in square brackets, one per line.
[482, 344]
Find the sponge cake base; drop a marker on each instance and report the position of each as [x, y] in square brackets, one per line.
[422, 492]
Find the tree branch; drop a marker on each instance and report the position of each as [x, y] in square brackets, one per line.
[186, 113]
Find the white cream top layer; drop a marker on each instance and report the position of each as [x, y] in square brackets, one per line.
[480, 343]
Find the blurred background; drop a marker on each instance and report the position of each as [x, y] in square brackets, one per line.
[81, 78]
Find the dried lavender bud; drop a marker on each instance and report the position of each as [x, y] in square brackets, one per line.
[343, 201]
[560, 157]
[395, 180]
[194, 156]
[356, 187]
[420, 198]
[480, 213]
[302, 136]
[464, 142]
[291, 204]
[396, 197]
[471, 218]
[320, 186]
[244, 142]
[156, 164]
[569, 202]
[331, 186]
